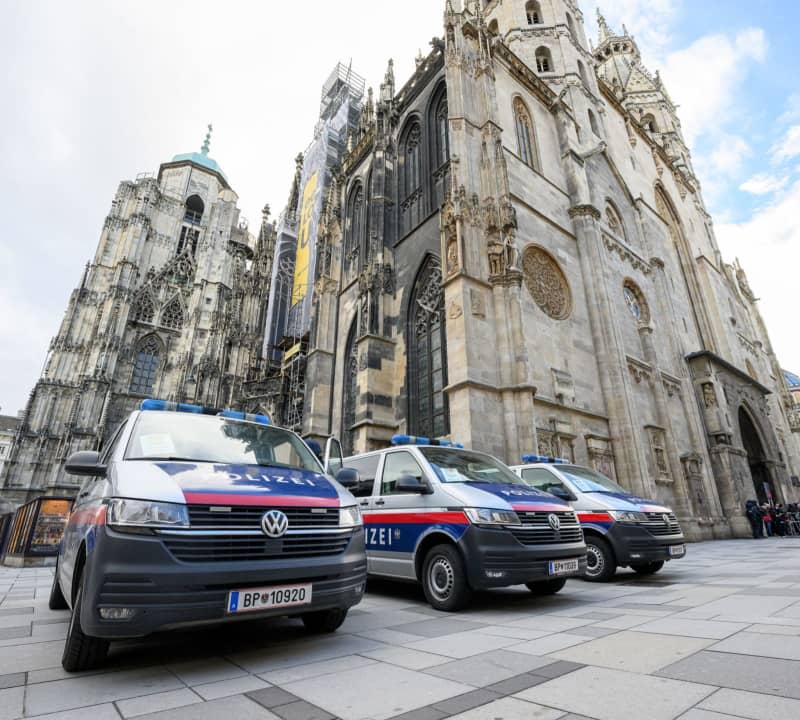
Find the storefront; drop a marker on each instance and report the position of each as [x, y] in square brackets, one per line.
[35, 531]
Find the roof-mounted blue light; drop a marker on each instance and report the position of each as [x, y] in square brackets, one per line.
[420, 440]
[249, 417]
[544, 459]
[167, 406]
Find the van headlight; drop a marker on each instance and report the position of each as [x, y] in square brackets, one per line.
[489, 516]
[145, 515]
[349, 516]
[625, 516]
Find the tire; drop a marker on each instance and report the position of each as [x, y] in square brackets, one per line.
[600, 561]
[650, 568]
[547, 587]
[444, 579]
[324, 621]
[57, 600]
[81, 652]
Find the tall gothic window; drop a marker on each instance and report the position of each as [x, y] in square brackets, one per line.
[533, 11]
[350, 387]
[146, 366]
[526, 140]
[354, 230]
[411, 177]
[440, 146]
[144, 310]
[427, 355]
[172, 314]
[544, 60]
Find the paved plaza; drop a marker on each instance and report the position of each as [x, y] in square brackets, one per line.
[714, 636]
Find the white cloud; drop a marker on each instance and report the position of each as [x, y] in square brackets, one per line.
[788, 146]
[764, 184]
[730, 154]
[767, 247]
[704, 78]
[649, 21]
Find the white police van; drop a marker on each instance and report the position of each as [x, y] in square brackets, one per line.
[192, 516]
[457, 521]
[621, 529]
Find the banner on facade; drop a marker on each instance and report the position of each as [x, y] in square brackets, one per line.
[302, 264]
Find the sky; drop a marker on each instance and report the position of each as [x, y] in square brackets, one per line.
[95, 92]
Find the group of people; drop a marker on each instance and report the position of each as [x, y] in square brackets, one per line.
[768, 520]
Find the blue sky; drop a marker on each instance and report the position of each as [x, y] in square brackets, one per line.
[96, 92]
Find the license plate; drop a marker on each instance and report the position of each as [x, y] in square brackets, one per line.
[677, 550]
[562, 567]
[268, 598]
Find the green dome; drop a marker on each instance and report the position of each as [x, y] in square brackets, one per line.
[201, 159]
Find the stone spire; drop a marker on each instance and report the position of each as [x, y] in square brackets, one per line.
[605, 31]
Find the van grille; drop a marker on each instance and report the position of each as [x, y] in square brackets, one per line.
[536, 529]
[249, 518]
[216, 548]
[656, 525]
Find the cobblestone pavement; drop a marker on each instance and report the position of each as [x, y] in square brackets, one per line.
[713, 636]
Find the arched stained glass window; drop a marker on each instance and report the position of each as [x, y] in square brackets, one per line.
[354, 231]
[411, 158]
[410, 180]
[525, 134]
[440, 147]
[172, 314]
[428, 414]
[145, 366]
[350, 387]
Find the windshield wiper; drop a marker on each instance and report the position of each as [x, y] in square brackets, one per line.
[169, 458]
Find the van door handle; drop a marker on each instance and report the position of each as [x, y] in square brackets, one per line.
[364, 503]
[380, 502]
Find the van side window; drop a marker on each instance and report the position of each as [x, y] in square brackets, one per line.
[541, 479]
[397, 465]
[112, 443]
[367, 468]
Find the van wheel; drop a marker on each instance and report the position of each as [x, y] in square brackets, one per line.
[444, 579]
[548, 587]
[324, 621]
[57, 600]
[600, 562]
[650, 568]
[81, 652]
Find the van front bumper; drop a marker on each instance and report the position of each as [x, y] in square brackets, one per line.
[634, 545]
[138, 572]
[495, 558]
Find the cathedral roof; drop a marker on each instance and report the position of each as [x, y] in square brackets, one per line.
[792, 380]
[202, 159]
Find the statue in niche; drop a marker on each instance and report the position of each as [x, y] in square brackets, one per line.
[497, 253]
[709, 396]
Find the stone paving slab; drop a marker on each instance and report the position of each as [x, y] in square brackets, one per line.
[699, 641]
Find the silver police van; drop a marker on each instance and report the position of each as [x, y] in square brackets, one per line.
[457, 521]
[621, 529]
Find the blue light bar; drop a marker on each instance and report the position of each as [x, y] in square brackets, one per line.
[167, 406]
[544, 459]
[420, 440]
[236, 415]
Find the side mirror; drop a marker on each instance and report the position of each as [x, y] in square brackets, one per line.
[410, 484]
[334, 458]
[562, 492]
[85, 462]
[348, 477]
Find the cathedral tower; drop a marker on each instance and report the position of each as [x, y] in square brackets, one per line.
[171, 306]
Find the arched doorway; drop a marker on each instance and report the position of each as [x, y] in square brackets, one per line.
[756, 458]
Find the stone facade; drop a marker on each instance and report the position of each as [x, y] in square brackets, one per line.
[172, 306]
[534, 269]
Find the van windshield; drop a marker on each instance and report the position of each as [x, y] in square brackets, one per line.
[453, 465]
[587, 480]
[211, 439]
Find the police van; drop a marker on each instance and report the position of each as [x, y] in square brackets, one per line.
[192, 516]
[621, 529]
[457, 521]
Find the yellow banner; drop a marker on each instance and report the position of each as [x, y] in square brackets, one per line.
[300, 287]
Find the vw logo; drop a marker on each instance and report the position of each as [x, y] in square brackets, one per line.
[554, 522]
[665, 518]
[274, 524]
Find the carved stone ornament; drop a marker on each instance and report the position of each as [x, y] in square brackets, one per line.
[546, 282]
[709, 395]
[454, 311]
